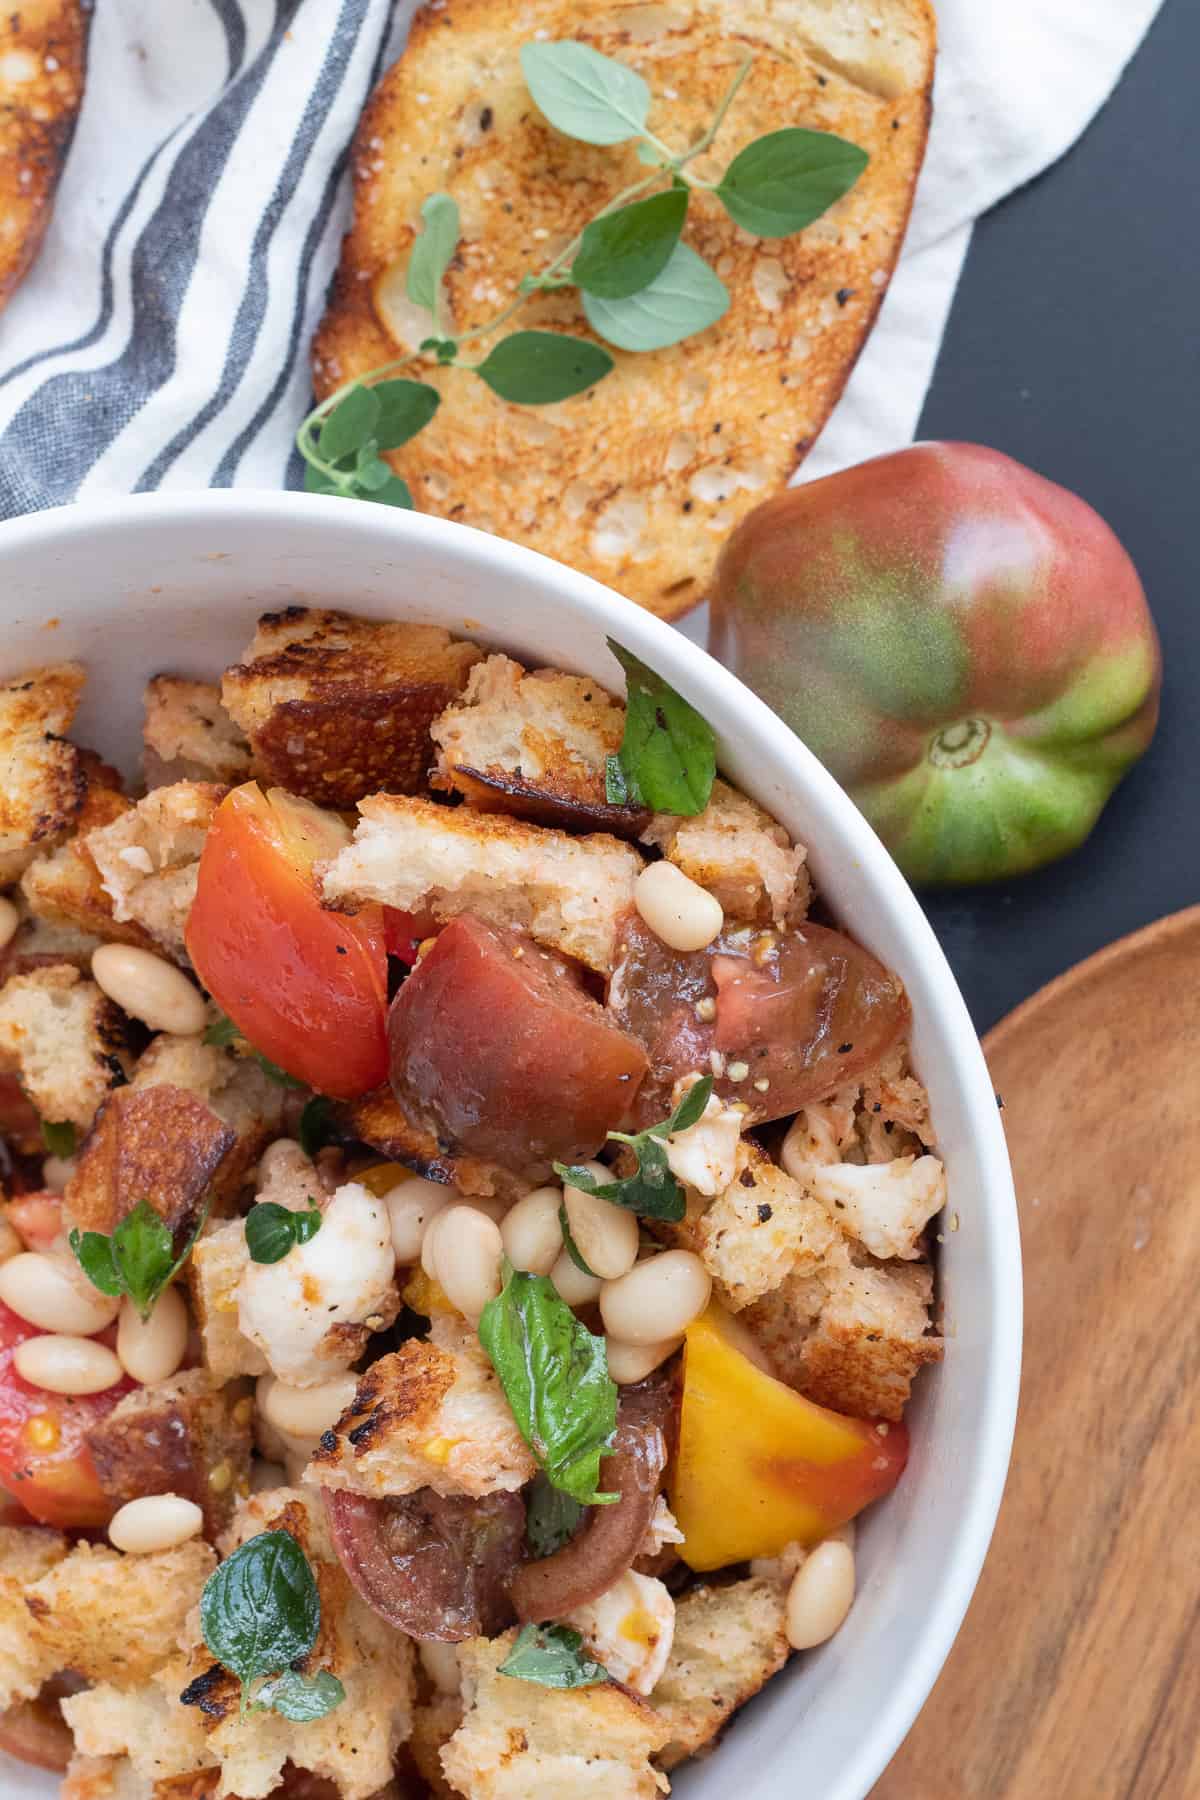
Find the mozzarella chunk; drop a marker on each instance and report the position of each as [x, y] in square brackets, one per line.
[341, 1277]
[886, 1206]
[630, 1629]
[704, 1156]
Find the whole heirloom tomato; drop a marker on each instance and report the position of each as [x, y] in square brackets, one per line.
[965, 645]
[306, 987]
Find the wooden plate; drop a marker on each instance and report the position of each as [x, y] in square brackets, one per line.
[1077, 1673]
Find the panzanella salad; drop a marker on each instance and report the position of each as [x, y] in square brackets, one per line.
[465, 1249]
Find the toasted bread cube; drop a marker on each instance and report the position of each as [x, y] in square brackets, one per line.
[893, 1117]
[64, 1039]
[39, 943]
[729, 1641]
[43, 781]
[567, 892]
[63, 884]
[763, 1228]
[145, 1725]
[378, 1119]
[159, 1144]
[434, 1724]
[115, 1618]
[235, 1088]
[737, 851]
[534, 745]
[519, 1741]
[337, 707]
[26, 1554]
[353, 1746]
[214, 1270]
[115, 1778]
[429, 1415]
[184, 1436]
[852, 1338]
[149, 859]
[188, 734]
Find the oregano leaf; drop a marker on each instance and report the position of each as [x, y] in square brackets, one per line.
[686, 297]
[432, 251]
[625, 251]
[782, 182]
[537, 368]
[405, 407]
[585, 95]
[349, 425]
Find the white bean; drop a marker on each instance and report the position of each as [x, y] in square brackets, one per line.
[411, 1205]
[572, 1285]
[606, 1236]
[10, 918]
[676, 908]
[658, 1298]
[54, 1294]
[440, 1663]
[56, 1172]
[10, 1243]
[155, 1522]
[306, 1412]
[67, 1365]
[149, 988]
[466, 1253]
[633, 1362]
[821, 1595]
[531, 1231]
[153, 1349]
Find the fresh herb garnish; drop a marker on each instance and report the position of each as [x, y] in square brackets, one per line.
[58, 1135]
[316, 1128]
[260, 1613]
[551, 1517]
[553, 1657]
[668, 755]
[651, 1190]
[138, 1259]
[272, 1230]
[554, 1373]
[224, 1035]
[641, 287]
[571, 1247]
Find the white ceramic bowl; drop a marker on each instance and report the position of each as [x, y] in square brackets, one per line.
[168, 582]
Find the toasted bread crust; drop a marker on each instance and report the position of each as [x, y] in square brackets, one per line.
[172, 1438]
[379, 1120]
[728, 1642]
[43, 48]
[637, 482]
[159, 1144]
[64, 1038]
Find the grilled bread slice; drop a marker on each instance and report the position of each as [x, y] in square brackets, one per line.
[638, 481]
[43, 44]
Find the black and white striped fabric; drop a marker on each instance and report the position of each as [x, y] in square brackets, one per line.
[162, 337]
[161, 340]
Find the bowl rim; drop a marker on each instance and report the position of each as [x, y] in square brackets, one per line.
[695, 672]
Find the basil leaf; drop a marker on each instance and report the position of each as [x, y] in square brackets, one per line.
[553, 1657]
[623, 252]
[585, 95]
[350, 424]
[222, 1033]
[260, 1610]
[571, 1247]
[555, 1377]
[405, 407]
[93, 1252]
[551, 1517]
[686, 297]
[432, 251]
[300, 1698]
[273, 1230]
[316, 1128]
[782, 182]
[652, 1190]
[537, 368]
[668, 756]
[58, 1137]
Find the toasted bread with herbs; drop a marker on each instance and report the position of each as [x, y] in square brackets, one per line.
[637, 481]
[43, 46]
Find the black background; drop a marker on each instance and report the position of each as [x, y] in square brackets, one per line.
[1074, 344]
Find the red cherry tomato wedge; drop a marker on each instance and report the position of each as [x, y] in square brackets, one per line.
[306, 987]
[403, 932]
[45, 1463]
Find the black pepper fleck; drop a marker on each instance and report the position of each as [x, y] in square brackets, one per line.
[341, 949]
[842, 295]
[485, 119]
[845, 1049]
[764, 1213]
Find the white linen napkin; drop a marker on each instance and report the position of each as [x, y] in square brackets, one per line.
[162, 338]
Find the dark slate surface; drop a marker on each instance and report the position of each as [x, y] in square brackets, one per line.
[1074, 344]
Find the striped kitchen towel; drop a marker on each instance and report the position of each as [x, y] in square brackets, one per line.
[162, 338]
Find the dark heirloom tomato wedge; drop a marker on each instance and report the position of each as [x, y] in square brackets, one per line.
[497, 1048]
[804, 1010]
[306, 987]
[36, 1732]
[609, 1540]
[44, 1460]
[437, 1568]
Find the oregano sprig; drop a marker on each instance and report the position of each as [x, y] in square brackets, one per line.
[641, 286]
[652, 1190]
